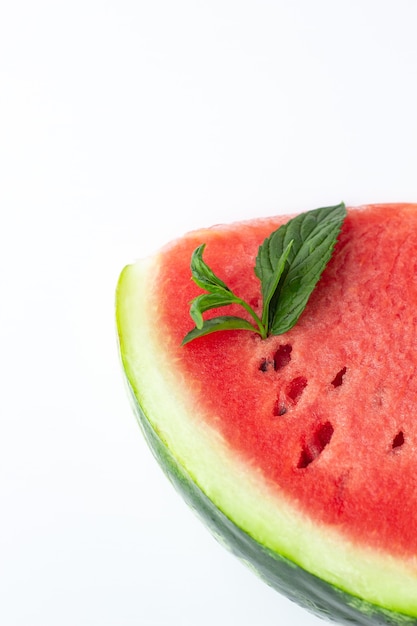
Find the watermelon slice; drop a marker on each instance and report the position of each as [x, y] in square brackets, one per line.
[300, 450]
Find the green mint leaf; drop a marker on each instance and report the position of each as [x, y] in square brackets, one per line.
[203, 276]
[225, 322]
[314, 235]
[208, 301]
[219, 295]
[270, 264]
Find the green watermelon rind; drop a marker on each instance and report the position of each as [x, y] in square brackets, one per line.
[310, 592]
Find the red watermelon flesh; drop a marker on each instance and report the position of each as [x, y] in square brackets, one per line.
[327, 411]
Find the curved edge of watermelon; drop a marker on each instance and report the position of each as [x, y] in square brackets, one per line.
[310, 592]
[313, 593]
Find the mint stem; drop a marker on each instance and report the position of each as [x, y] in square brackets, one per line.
[262, 328]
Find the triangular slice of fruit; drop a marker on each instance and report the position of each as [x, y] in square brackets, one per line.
[300, 450]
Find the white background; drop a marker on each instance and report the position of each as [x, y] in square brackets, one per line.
[122, 125]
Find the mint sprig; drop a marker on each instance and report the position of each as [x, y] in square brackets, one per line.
[289, 264]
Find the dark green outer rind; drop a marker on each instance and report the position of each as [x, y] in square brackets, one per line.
[310, 592]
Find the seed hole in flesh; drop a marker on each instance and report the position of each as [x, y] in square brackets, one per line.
[266, 364]
[338, 379]
[282, 356]
[296, 387]
[398, 440]
[279, 409]
[315, 445]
